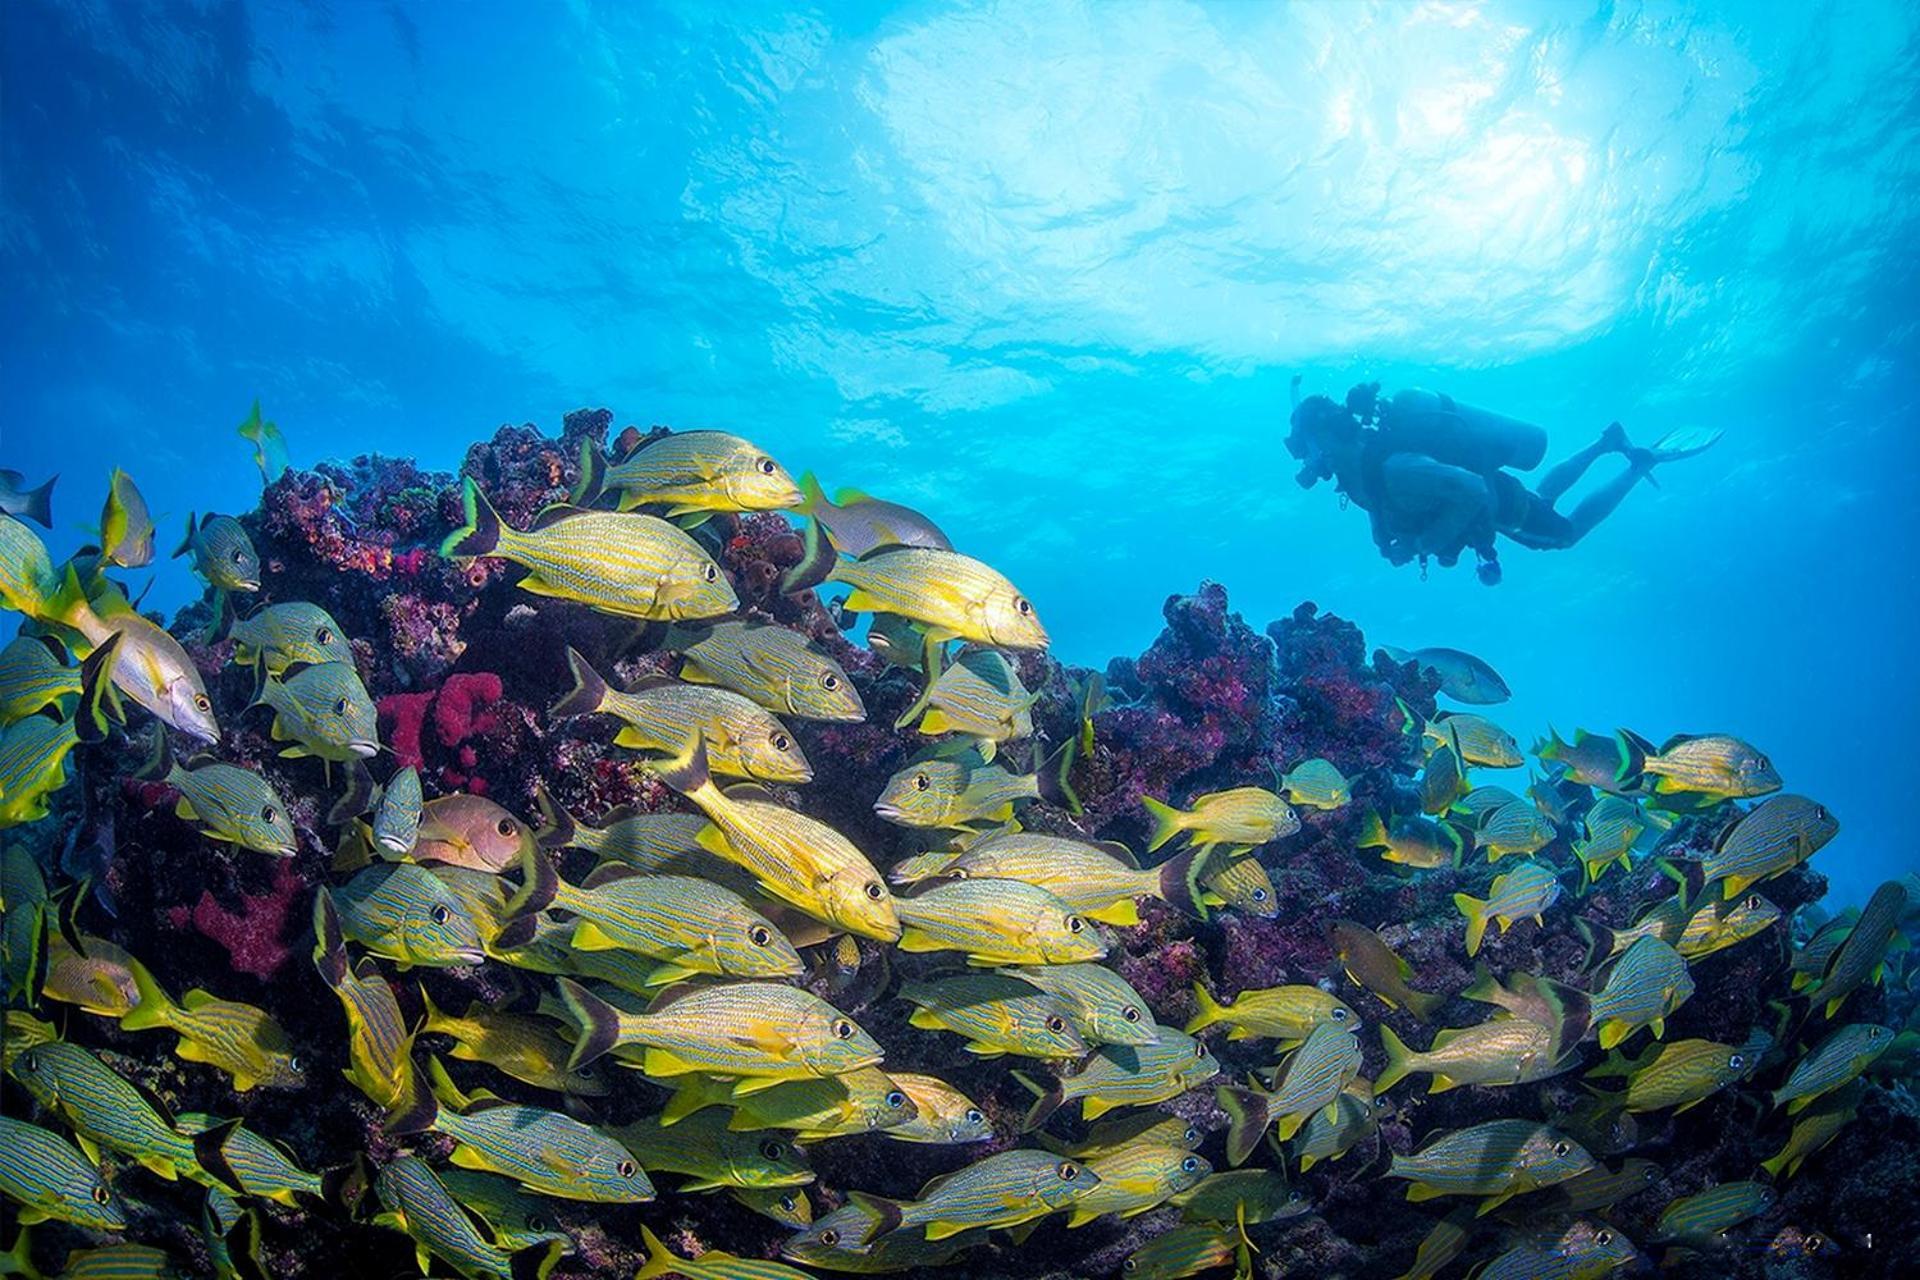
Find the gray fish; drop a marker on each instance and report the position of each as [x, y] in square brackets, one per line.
[16, 499]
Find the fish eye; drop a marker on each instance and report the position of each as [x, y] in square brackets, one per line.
[1561, 1147]
[896, 1100]
[1189, 1165]
[773, 1149]
[239, 556]
[830, 1237]
[1339, 1015]
[323, 636]
[28, 1061]
[295, 1064]
[875, 890]
[268, 814]
[788, 1203]
[340, 707]
[1820, 812]
[1762, 762]
[1069, 1171]
[711, 572]
[1753, 903]
[829, 681]
[1193, 1136]
[1130, 1266]
[1605, 1237]
[760, 935]
[1259, 895]
[1875, 1033]
[537, 1223]
[921, 782]
[507, 827]
[842, 1029]
[100, 1193]
[1056, 1024]
[439, 913]
[781, 742]
[1130, 1014]
[1736, 1062]
[201, 702]
[766, 466]
[1294, 1197]
[626, 1168]
[1814, 1243]
[1075, 924]
[1020, 603]
[1199, 1051]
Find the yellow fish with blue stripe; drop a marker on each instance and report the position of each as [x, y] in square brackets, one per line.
[104, 1108]
[1100, 881]
[322, 710]
[979, 697]
[255, 1164]
[1242, 817]
[843, 1241]
[762, 1032]
[240, 1039]
[379, 1040]
[773, 665]
[954, 794]
[999, 1191]
[544, 1151]
[688, 473]
[627, 564]
[233, 805]
[861, 1101]
[666, 716]
[1102, 1006]
[126, 524]
[515, 1218]
[710, 1154]
[414, 1200]
[714, 1264]
[49, 1181]
[995, 1014]
[1498, 1160]
[995, 922]
[406, 913]
[281, 635]
[951, 596]
[524, 1047]
[1313, 1078]
[34, 674]
[1137, 1179]
[1116, 1076]
[942, 1114]
[220, 551]
[1316, 784]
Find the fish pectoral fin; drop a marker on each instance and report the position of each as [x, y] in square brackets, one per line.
[588, 936]
[1125, 912]
[160, 1166]
[467, 1157]
[913, 939]
[1491, 1203]
[1421, 1191]
[941, 1230]
[860, 601]
[664, 1062]
[534, 584]
[757, 1084]
[89, 1147]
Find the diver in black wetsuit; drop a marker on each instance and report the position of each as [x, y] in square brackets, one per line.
[1432, 474]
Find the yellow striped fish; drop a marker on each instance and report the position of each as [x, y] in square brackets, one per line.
[1101, 881]
[761, 1032]
[1333, 1131]
[33, 765]
[997, 922]
[280, 635]
[690, 926]
[1243, 817]
[526, 1048]
[1136, 1179]
[1288, 1014]
[1699, 1220]
[795, 858]
[644, 841]
[981, 697]
[995, 1015]
[1313, 1077]
[1504, 1051]
[687, 472]
[951, 596]
[1135, 1128]
[237, 1038]
[234, 806]
[629, 565]
[710, 1155]
[414, 1200]
[1773, 837]
[252, 1162]
[544, 1151]
[322, 709]
[34, 674]
[104, 1108]
[1679, 1075]
[406, 913]
[1124, 1076]
[379, 1041]
[1836, 1061]
[843, 1241]
[773, 665]
[714, 1264]
[663, 715]
[954, 794]
[1187, 1250]
[1499, 1160]
[1102, 1006]
[942, 1114]
[859, 1101]
[1241, 882]
[50, 1181]
[1000, 1191]
[1242, 1195]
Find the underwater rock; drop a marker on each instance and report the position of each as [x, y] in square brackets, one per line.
[464, 667]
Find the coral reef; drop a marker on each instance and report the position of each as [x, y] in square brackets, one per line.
[463, 666]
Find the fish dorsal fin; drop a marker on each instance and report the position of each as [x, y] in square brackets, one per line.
[652, 437]
[849, 497]
[553, 514]
[888, 549]
[198, 999]
[672, 994]
[608, 873]
[644, 683]
[1118, 852]
[750, 791]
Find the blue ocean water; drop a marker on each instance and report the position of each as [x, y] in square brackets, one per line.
[1045, 270]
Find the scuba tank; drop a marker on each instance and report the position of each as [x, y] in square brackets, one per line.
[1459, 434]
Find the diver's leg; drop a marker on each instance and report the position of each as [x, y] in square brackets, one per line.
[1563, 477]
[1599, 504]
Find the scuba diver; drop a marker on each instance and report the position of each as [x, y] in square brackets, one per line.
[1433, 475]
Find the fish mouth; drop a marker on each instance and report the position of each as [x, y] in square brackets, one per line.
[363, 748]
[891, 812]
[285, 851]
[469, 955]
[246, 584]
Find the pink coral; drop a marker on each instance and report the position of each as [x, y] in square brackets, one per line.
[402, 715]
[460, 708]
[255, 936]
